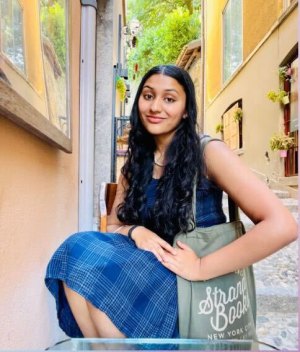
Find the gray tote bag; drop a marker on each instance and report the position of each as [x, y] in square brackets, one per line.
[223, 307]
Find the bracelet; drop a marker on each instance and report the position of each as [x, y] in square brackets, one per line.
[130, 232]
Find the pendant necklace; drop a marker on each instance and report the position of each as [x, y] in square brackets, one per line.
[158, 164]
[156, 161]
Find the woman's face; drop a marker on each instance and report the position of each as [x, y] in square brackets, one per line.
[161, 105]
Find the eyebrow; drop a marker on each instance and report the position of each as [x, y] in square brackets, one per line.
[167, 90]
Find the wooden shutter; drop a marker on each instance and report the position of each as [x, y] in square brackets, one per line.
[231, 128]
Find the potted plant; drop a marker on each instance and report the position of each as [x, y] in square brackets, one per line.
[121, 87]
[285, 73]
[219, 128]
[282, 143]
[238, 115]
[281, 96]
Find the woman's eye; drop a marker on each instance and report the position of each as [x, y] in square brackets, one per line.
[169, 100]
[148, 96]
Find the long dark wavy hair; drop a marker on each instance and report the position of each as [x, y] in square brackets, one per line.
[172, 210]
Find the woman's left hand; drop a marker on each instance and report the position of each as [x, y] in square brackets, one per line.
[185, 263]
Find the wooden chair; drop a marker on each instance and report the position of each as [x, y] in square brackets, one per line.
[107, 193]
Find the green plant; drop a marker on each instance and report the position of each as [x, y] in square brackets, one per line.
[219, 128]
[281, 96]
[281, 142]
[160, 42]
[285, 73]
[238, 115]
[121, 87]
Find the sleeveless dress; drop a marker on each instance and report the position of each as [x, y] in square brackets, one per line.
[130, 285]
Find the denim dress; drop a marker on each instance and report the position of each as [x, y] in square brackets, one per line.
[130, 285]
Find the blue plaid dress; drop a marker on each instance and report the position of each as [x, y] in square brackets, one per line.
[130, 285]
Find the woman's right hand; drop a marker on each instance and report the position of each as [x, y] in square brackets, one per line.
[150, 241]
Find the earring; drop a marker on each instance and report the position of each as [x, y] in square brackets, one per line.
[184, 116]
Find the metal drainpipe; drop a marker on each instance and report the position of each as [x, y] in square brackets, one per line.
[87, 113]
[118, 71]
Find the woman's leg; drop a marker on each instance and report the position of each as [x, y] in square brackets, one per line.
[91, 321]
[104, 325]
[80, 312]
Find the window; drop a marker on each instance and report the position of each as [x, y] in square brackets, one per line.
[34, 67]
[12, 45]
[291, 115]
[293, 118]
[232, 37]
[232, 126]
[54, 41]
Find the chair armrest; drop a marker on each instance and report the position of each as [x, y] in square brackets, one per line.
[107, 194]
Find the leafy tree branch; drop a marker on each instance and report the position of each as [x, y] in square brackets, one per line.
[166, 26]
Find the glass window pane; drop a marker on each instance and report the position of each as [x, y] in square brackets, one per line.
[54, 43]
[12, 45]
[232, 37]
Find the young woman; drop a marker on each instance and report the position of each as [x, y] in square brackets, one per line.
[123, 283]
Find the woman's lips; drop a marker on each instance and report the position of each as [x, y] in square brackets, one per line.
[155, 119]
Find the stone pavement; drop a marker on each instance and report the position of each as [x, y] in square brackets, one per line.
[277, 298]
[277, 291]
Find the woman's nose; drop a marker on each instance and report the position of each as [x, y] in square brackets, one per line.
[156, 105]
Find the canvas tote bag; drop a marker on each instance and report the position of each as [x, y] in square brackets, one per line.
[223, 307]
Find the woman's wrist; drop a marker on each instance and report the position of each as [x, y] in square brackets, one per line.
[130, 232]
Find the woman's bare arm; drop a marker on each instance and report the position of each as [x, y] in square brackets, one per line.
[144, 238]
[274, 225]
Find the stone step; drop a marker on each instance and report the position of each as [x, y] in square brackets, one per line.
[281, 194]
[290, 203]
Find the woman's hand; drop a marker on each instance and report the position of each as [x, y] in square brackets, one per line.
[186, 263]
[149, 241]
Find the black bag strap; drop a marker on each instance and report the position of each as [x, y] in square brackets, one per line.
[233, 209]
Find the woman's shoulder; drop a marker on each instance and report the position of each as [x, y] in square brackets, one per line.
[206, 139]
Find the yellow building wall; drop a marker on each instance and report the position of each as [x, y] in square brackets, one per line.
[261, 117]
[258, 18]
[38, 210]
[213, 47]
